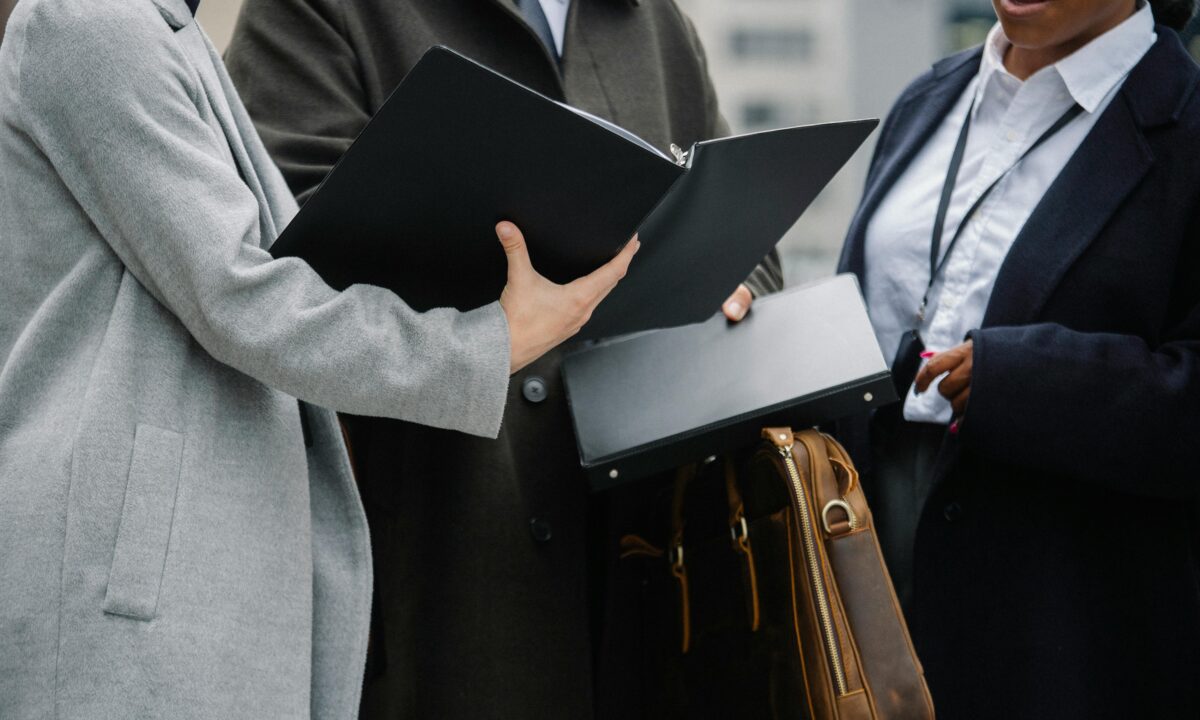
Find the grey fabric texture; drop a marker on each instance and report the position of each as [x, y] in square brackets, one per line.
[169, 546]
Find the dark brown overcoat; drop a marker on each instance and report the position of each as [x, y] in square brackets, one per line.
[481, 555]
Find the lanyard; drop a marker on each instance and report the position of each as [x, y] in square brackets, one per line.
[939, 223]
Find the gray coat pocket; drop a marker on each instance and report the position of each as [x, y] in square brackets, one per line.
[142, 539]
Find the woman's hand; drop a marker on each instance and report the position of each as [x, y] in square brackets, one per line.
[955, 387]
[542, 314]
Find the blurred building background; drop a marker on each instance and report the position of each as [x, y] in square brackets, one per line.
[792, 62]
[787, 62]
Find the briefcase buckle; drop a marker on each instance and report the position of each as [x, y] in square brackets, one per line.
[739, 530]
[844, 506]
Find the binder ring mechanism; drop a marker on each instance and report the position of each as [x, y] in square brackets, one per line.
[681, 155]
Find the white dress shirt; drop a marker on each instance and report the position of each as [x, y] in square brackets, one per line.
[1009, 117]
[556, 14]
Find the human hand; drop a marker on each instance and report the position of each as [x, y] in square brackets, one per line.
[956, 386]
[738, 304]
[542, 314]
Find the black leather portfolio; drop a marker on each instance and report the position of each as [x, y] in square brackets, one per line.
[413, 203]
[660, 399]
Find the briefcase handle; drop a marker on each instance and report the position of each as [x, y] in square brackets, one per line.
[739, 532]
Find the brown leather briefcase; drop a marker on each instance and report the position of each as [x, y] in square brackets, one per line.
[755, 588]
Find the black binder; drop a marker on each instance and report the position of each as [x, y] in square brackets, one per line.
[657, 400]
[413, 203]
[738, 198]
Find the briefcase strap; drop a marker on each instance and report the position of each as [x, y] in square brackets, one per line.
[739, 531]
[683, 478]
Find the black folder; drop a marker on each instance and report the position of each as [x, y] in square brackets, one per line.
[657, 400]
[413, 203]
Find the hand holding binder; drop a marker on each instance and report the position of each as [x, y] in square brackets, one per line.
[541, 314]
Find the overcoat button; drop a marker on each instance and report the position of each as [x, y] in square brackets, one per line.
[953, 511]
[541, 530]
[534, 389]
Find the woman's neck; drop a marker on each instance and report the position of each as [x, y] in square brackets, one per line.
[1024, 62]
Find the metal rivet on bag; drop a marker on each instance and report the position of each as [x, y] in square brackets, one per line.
[782, 436]
[868, 397]
[613, 473]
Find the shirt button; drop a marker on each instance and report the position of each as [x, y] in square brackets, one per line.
[534, 389]
[953, 511]
[1012, 136]
[541, 530]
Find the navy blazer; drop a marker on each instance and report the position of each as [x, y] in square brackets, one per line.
[1055, 568]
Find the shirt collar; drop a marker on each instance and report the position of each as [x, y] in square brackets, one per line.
[1091, 72]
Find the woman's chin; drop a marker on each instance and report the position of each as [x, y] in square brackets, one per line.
[1022, 9]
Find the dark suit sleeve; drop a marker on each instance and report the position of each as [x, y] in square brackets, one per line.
[300, 80]
[1102, 407]
[768, 276]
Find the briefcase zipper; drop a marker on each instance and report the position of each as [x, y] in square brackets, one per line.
[816, 578]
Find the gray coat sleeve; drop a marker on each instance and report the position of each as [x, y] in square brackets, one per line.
[768, 276]
[294, 66]
[112, 101]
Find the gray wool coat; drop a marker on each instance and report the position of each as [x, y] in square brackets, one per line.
[169, 547]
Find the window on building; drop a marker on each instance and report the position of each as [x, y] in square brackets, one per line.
[760, 115]
[767, 113]
[772, 43]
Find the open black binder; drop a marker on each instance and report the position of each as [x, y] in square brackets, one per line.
[413, 203]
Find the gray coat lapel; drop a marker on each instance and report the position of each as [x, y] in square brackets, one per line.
[175, 12]
[222, 99]
[274, 195]
[276, 206]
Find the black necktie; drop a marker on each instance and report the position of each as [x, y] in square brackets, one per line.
[192, 5]
[531, 10]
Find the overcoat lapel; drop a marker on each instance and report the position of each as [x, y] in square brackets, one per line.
[206, 62]
[579, 82]
[593, 70]
[175, 12]
[914, 123]
[509, 7]
[1110, 163]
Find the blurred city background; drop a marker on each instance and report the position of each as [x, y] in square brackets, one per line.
[788, 62]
